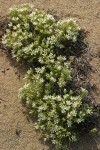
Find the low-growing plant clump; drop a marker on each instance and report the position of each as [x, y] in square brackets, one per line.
[37, 38]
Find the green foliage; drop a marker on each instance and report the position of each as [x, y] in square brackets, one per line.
[58, 111]
[19, 14]
[34, 35]
[33, 32]
[67, 30]
[43, 23]
[93, 131]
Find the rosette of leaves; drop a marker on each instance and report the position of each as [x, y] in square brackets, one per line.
[19, 14]
[43, 23]
[67, 30]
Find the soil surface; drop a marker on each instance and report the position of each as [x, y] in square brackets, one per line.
[16, 127]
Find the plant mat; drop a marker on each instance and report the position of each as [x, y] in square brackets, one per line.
[81, 69]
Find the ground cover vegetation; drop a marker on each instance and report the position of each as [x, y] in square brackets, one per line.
[40, 40]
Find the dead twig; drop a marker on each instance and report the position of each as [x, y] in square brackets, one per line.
[95, 69]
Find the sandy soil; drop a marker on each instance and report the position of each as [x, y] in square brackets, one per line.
[16, 128]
